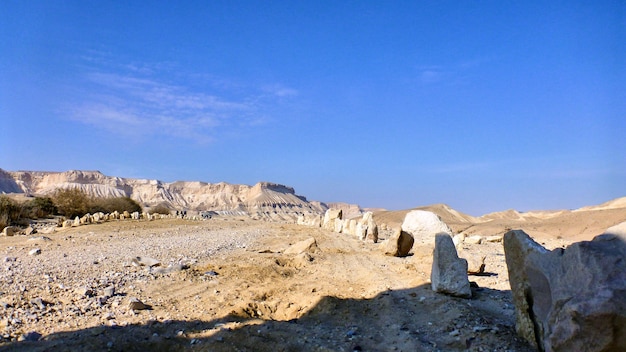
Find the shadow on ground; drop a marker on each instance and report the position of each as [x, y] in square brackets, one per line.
[414, 319]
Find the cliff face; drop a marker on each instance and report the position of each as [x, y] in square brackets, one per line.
[263, 200]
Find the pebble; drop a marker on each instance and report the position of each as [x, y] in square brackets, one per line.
[35, 251]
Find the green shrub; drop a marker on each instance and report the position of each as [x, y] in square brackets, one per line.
[71, 202]
[10, 211]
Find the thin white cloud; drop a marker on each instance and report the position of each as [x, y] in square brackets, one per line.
[150, 106]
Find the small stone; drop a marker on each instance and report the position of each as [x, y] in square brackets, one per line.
[454, 332]
[38, 302]
[136, 304]
[35, 251]
[109, 291]
[145, 261]
[84, 291]
[474, 240]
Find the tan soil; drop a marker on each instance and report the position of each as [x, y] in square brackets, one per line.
[239, 292]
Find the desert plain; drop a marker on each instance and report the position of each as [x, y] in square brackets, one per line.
[233, 283]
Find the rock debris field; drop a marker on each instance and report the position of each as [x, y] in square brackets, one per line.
[241, 285]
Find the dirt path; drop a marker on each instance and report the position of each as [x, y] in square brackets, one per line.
[238, 291]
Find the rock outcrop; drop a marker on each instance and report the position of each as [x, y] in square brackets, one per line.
[449, 272]
[571, 299]
[264, 200]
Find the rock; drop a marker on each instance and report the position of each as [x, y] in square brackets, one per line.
[474, 240]
[493, 239]
[399, 244]
[136, 304]
[449, 272]
[68, 223]
[475, 264]
[35, 251]
[10, 231]
[30, 336]
[109, 291]
[424, 225]
[330, 217]
[145, 261]
[135, 215]
[84, 292]
[306, 246]
[40, 239]
[570, 299]
[458, 239]
[29, 231]
[617, 230]
[76, 221]
[38, 302]
[366, 228]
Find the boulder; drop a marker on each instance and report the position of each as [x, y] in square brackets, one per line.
[424, 225]
[360, 230]
[571, 299]
[76, 221]
[449, 272]
[306, 246]
[618, 230]
[29, 231]
[10, 231]
[399, 244]
[329, 218]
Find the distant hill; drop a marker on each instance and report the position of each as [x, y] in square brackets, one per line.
[263, 200]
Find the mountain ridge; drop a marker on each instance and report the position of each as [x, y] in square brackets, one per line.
[263, 200]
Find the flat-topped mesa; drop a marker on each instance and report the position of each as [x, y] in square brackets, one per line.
[263, 200]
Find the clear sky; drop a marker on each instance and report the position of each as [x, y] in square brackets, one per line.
[483, 105]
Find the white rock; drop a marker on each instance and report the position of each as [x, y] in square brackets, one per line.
[424, 225]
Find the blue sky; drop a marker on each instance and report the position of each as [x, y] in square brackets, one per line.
[483, 105]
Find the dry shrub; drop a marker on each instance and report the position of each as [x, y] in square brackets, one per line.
[71, 202]
[161, 209]
[109, 205]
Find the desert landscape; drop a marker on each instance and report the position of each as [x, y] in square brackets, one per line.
[259, 274]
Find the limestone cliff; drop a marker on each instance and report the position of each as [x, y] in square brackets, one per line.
[263, 200]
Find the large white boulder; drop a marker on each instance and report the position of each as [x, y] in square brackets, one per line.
[424, 225]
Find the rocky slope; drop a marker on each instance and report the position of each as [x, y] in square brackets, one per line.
[263, 200]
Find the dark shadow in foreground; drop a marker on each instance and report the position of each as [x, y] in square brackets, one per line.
[414, 319]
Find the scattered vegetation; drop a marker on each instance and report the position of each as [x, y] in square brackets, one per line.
[72, 202]
[69, 202]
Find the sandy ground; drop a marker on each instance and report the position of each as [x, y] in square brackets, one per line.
[226, 285]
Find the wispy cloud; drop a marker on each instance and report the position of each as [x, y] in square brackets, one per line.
[133, 100]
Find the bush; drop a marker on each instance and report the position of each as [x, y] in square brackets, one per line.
[161, 209]
[10, 211]
[71, 202]
[109, 205]
[39, 208]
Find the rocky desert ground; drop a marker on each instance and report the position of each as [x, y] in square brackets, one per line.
[251, 279]
[237, 284]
